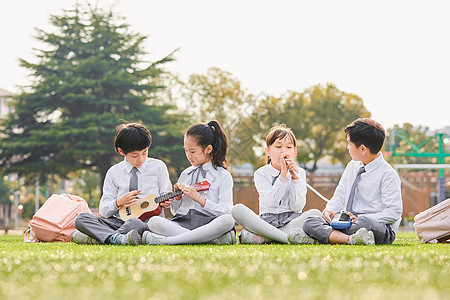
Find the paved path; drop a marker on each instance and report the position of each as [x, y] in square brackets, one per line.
[13, 231]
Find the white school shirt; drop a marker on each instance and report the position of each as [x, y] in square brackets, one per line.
[153, 178]
[379, 192]
[219, 197]
[284, 195]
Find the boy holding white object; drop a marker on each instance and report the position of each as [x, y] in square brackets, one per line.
[369, 192]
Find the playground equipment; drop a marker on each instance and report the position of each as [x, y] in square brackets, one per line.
[416, 151]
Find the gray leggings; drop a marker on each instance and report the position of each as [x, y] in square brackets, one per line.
[320, 230]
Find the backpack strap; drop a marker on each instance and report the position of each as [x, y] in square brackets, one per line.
[28, 237]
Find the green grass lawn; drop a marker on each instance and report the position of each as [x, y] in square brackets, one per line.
[404, 270]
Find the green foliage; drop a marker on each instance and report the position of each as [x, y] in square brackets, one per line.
[317, 116]
[28, 209]
[217, 95]
[5, 191]
[86, 185]
[89, 78]
[253, 129]
[404, 270]
[327, 111]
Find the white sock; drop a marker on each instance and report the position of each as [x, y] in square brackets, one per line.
[252, 222]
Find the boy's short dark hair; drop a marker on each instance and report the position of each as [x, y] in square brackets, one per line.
[367, 132]
[132, 137]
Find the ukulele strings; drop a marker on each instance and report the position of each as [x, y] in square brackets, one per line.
[165, 197]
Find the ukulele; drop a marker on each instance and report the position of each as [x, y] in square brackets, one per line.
[149, 206]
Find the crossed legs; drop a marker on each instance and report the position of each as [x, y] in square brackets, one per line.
[252, 222]
[171, 233]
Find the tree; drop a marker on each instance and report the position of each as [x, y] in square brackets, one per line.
[85, 184]
[5, 191]
[217, 95]
[90, 77]
[172, 95]
[317, 116]
[327, 111]
[252, 129]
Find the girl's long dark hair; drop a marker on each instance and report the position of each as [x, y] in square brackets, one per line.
[211, 134]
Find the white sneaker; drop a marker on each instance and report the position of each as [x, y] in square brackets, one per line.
[228, 238]
[247, 237]
[133, 238]
[371, 238]
[151, 238]
[361, 237]
[298, 236]
[81, 238]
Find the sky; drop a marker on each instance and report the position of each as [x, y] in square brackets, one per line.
[395, 55]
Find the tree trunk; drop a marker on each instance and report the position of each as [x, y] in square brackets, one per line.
[313, 168]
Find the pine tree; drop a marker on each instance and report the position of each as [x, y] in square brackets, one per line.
[90, 77]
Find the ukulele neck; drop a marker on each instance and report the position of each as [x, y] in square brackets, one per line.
[165, 197]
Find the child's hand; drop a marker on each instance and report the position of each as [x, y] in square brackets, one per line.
[283, 164]
[166, 203]
[292, 167]
[128, 198]
[176, 187]
[352, 216]
[191, 192]
[329, 215]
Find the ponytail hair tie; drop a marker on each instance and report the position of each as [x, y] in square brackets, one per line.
[211, 126]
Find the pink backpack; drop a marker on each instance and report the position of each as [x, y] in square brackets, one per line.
[55, 220]
[433, 224]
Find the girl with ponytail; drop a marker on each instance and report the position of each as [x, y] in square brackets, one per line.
[199, 217]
